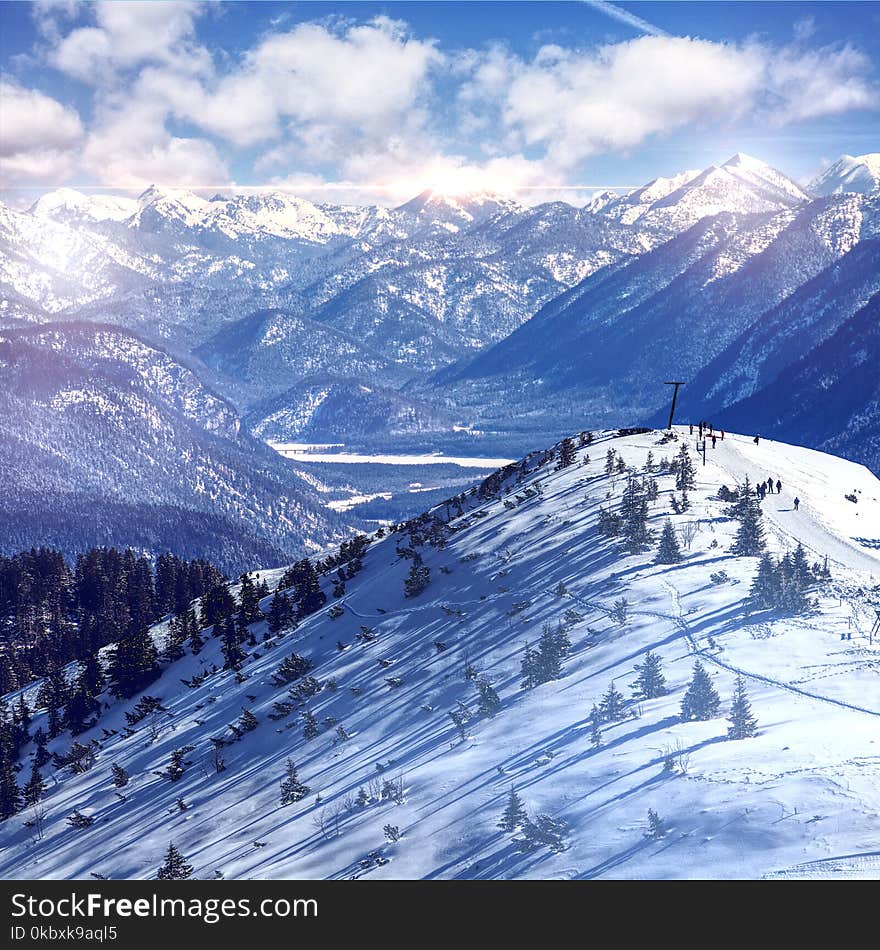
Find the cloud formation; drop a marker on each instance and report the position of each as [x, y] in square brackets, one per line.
[366, 103]
[39, 137]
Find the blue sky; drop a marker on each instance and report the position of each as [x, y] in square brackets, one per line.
[373, 102]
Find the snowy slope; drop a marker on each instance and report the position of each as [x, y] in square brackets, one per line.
[859, 174]
[799, 800]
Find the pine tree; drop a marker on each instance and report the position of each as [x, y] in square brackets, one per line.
[233, 655]
[120, 775]
[176, 633]
[685, 477]
[249, 602]
[595, 727]
[612, 704]
[133, 664]
[514, 815]
[53, 695]
[217, 604]
[529, 668]
[656, 825]
[281, 613]
[292, 668]
[196, 643]
[417, 580]
[747, 510]
[292, 789]
[33, 790]
[743, 724]
[609, 461]
[567, 454]
[41, 753]
[634, 518]
[766, 587]
[10, 794]
[310, 725]
[488, 702]
[175, 867]
[650, 682]
[701, 700]
[668, 551]
[549, 660]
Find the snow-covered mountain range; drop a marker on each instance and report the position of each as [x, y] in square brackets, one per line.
[474, 313]
[500, 642]
[107, 439]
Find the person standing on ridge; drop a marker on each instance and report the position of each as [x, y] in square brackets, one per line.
[757, 437]
[778, 487]
[797, 502]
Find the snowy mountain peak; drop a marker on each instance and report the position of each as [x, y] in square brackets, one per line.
[68, 204]
[741, 160]
[860, 174]
[459, 210]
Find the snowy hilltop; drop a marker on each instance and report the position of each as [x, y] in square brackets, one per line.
[611, 659]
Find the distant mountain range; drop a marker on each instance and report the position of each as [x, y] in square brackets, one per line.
[105, 439]
[318, 322]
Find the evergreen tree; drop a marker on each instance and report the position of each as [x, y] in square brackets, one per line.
[53, 695]
[120, 775]
[634, 518]
[743, 724]
[417, 580]
[766, 587]
[233, 655]
[176, 634]
[249, 602]
[650, 682]
[175, 867]
[656, 825]
[529, 668]
[595, 727]
[196, 643]
[292, 789]
[35, 787]
[514, 815]
[701, 700]
[310, 726]
[612, 704]
[292, 668]
[685, 477]
[133, 663]
[609, 461]
[41, 753]
[10, 794]
[281, 613]
[217, 604]
[668, 551]
[549, 660]
[609, 523]
[567, 454]
[750, 535]
[488, 702]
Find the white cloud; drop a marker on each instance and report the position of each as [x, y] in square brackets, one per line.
[807, 84]
[372, 104]
[130, 147]
[128, 33]
[573, 104]
[360, 81]
[39, 137]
